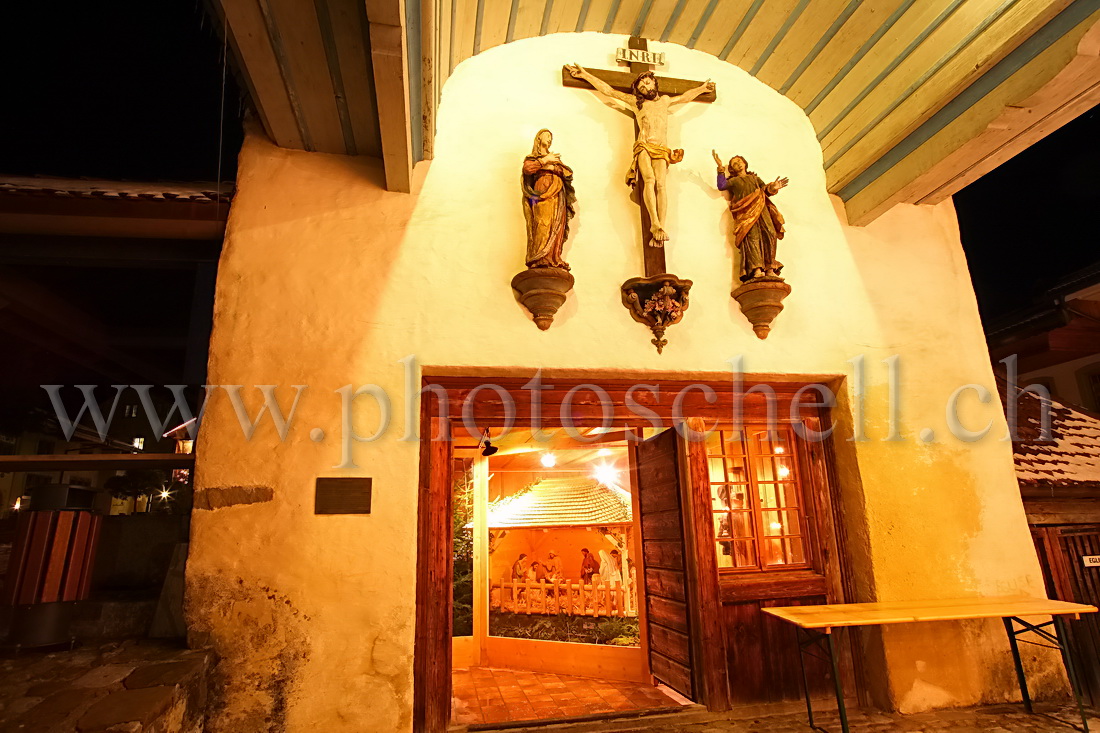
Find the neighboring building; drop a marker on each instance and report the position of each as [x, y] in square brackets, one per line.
[1058, 468]
[1056, 340]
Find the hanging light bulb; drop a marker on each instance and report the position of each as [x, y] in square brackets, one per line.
[548, 460]
[784, 472]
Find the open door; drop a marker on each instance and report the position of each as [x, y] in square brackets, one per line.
[683, 612]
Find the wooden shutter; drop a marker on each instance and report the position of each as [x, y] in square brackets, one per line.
[686, 649]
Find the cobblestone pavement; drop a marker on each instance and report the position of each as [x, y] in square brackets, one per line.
[129, 685]
[996, 719]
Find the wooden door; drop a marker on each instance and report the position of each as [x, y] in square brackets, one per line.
[776, 545]
[681, 582]
[1061, 550]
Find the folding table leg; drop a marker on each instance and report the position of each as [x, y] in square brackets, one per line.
[1018, 663]
[1067, 659]
[802, 664]
[836, 681]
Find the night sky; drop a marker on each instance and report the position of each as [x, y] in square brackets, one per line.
[133, 89]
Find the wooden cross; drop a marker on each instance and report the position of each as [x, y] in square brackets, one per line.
[653, 257]
[659, 298]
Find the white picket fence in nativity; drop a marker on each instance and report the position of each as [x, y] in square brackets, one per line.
[564, 597]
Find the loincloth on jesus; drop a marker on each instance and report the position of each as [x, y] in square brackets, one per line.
[655, 152]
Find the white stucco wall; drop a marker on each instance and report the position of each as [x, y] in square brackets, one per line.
[327, 280]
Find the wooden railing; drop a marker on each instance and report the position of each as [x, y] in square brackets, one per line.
[565, 597]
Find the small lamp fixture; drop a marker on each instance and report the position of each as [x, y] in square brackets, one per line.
[488, 449]
[548, 460]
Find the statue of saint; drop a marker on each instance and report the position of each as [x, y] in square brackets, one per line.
[757, 223]
[652, 156]
[548, 199]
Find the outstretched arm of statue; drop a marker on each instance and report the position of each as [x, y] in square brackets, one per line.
[774, 186]
[618, 100]
[691, 94]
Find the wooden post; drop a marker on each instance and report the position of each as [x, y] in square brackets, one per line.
[434, 571]
[527, 595]
[480, 478]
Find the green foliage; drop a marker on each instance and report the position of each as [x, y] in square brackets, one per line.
[580, 629]
[463, 587]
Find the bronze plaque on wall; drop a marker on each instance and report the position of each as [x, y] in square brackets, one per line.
[342, 496]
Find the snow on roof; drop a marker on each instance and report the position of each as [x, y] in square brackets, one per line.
[1072, 458]
[557, 502]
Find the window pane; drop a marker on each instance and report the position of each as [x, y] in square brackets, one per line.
[739, 497]
[773, 552]
[745, 553]
[722, 525]
[716, 468]
[768, 497]
[742, 524]
[796, 553]
[725, 555]
[787, 495]
[735, 469]
[772, 524]
[783, 470]
[720, 497]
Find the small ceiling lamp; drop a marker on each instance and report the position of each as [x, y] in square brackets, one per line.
[606, 474]
[548, 460]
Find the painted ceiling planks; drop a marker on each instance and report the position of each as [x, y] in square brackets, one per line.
[627, 16]
[805, 32]
[684, 26]
[879, 187]
[351, 37]
[920, 19]
[252, 48]
[758, 35]
[928, 80]
[492, 28]
[844, 49]
[307, 73]
[563, 16]
[874, 76]
[720, 26]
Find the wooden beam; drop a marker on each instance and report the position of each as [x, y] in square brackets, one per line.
[97, 462]
[389, 56]
[621, 80]
[243, 23]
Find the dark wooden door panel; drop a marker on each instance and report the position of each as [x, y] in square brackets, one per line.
[667, 615]
[762, 656]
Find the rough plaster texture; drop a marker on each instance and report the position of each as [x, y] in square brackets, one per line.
[327, 280]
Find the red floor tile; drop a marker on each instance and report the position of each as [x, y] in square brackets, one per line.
[483, 695]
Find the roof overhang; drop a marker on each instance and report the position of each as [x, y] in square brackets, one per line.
[911, 100]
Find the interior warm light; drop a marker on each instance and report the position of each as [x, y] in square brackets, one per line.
[18, 504]
[602, 452]
[780, 449]
[776, 526]
[165, 494]
[548, 460]
[606, 474]
[784, 472]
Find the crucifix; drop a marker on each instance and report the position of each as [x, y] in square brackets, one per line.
[660, 298]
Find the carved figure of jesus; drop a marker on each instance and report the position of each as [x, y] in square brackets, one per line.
[652, 156]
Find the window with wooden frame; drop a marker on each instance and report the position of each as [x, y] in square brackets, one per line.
[757, 500]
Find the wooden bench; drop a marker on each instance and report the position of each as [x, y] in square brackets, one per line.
[816, 624]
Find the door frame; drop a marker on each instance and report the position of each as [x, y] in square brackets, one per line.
[448, 399]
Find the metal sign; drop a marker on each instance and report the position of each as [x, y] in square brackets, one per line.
[1091, 561]
[639, 56]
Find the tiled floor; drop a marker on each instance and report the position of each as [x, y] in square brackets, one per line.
[491, 695]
